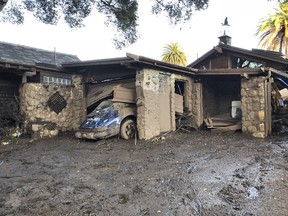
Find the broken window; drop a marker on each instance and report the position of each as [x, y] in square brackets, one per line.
[244, 63]
[57, 103]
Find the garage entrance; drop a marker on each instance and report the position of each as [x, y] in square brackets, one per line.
[222, 102]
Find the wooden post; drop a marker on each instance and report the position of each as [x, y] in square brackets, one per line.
[268, 109]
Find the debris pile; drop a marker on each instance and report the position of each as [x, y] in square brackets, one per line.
[279, 107]
[223, 123]
[9, 135]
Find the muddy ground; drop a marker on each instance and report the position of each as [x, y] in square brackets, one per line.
[197, 173]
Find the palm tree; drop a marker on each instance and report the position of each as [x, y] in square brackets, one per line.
[273, 30]
[174, 55]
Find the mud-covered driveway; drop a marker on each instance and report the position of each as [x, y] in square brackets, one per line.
[198, 173]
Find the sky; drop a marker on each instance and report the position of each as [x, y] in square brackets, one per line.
[94, 41]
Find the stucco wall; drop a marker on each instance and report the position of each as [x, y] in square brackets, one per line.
[253, 106]
[151, 88]
[39, 117]
[148, 108]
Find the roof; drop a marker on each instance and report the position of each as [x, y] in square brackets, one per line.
[130, 60]
[97, 62]
[258, 53]
[25, 55]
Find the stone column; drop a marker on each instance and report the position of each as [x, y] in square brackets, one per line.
[253, 106]
[197, 105]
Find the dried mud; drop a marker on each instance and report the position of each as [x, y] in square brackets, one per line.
[197, 173]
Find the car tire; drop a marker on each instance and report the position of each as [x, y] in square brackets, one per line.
[128, 129]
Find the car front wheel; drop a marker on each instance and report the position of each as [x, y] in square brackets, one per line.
[128, 129]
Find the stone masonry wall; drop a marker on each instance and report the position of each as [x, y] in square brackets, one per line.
[252, 106]
[42, 120]
[197, 105]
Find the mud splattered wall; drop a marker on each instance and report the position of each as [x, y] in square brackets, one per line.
[48, 109]
[148, 106]
[156, 101]
[253, 106]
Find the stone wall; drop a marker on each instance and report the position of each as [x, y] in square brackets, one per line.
[253, 106]
[48, 109]
[197, 105]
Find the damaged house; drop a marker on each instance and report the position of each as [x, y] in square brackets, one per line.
[56, 91]
[248, 85]
[35, 92]
[226, 89]
[162, 92]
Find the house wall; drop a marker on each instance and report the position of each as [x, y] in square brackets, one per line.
[40, 105]
[152, 87]
[253, 106]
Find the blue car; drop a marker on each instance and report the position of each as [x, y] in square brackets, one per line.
[109, 119]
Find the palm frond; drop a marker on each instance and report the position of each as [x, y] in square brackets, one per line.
[174, 55]
[273, 30]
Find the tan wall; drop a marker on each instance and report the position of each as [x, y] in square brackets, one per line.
[253, 106]
[148, 108]
[40, 119]
[197, 105]
[151, 88]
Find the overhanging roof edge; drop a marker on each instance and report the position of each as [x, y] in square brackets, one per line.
[161, 64]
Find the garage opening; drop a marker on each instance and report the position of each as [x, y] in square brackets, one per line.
[222, 102]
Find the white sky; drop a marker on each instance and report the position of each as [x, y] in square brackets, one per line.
[95, 40]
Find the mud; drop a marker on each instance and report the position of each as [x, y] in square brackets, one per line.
[197, 173]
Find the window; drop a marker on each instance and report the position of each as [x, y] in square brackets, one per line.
[56, 80]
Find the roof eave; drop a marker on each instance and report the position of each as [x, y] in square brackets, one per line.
[236, 71]
[201, 58]
[161, 64]
[109, 61]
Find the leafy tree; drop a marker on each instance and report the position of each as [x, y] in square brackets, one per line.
[174, 55]
[273, 30]
[2, 4]
[122, 14]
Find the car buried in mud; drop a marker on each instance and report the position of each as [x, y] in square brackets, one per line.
[115, 115]
[109, 119]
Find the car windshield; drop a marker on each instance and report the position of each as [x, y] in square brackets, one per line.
[103, 115]
[103, 108]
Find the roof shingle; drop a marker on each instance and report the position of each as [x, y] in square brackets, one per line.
[15, 53]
